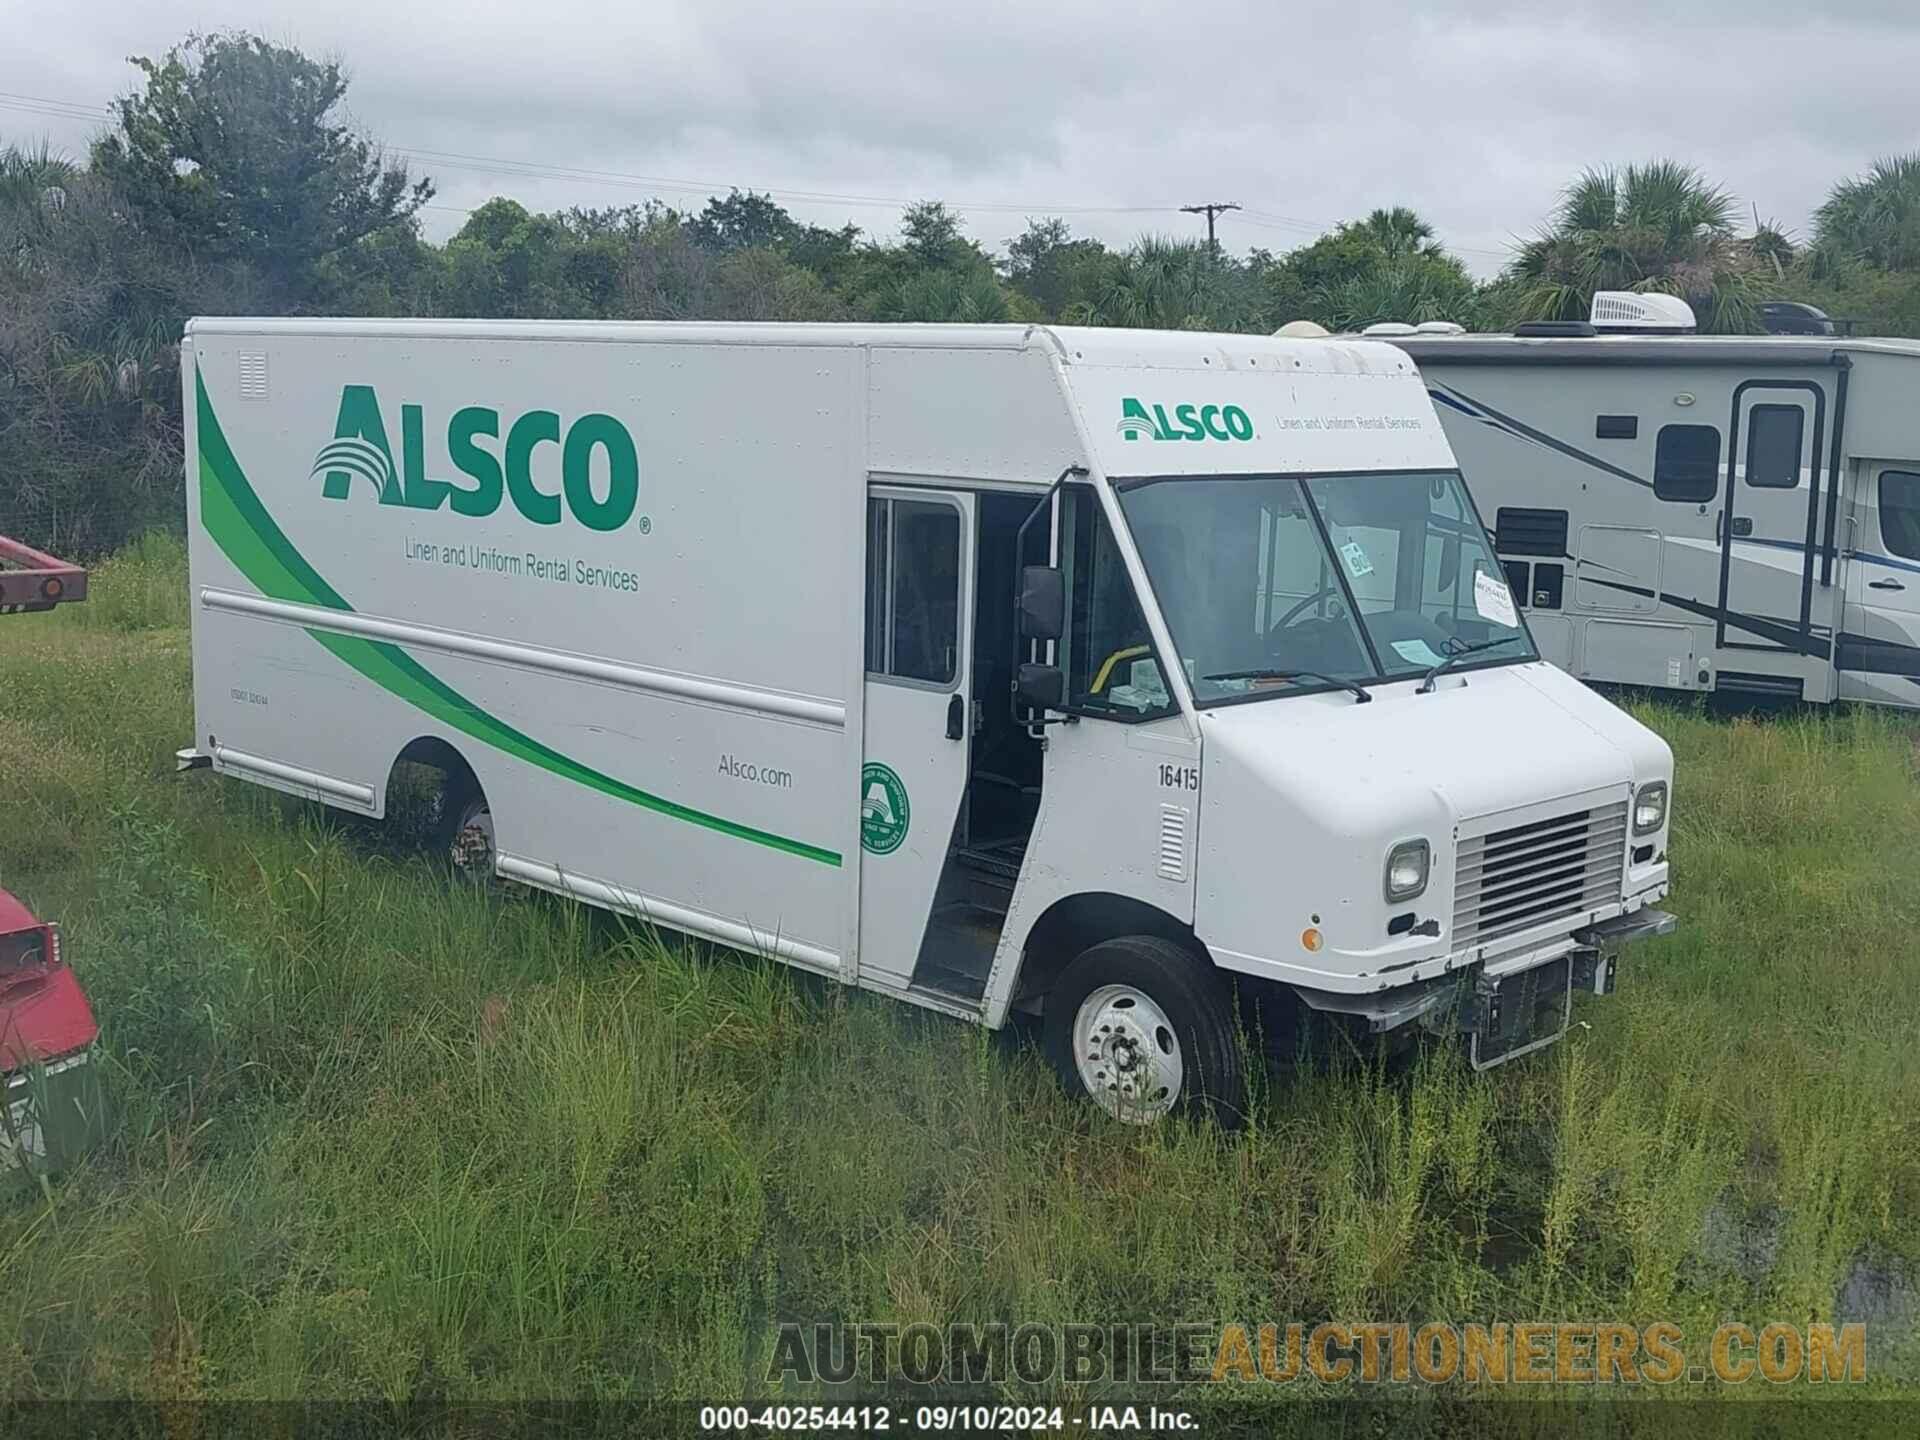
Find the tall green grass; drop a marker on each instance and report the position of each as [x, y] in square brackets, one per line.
[380, 1137]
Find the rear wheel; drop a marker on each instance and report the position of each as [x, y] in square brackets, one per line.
[1144, 1028]
[466, 829]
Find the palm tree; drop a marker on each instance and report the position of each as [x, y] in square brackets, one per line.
[1660, 227]
[1405, 290]
[1399, 233]
[1875, 217]
[33, 187]
[1163, 284]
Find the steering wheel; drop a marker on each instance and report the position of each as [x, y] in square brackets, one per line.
[1314, 599]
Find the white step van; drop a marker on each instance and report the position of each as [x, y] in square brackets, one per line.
[1123, 676]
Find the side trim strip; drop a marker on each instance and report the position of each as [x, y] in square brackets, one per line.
[660, 912]
[360, 795]
[529, 657]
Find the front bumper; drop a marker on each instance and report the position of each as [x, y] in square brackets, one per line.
[1487, 1002]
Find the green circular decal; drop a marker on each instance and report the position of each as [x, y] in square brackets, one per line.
[884, 811]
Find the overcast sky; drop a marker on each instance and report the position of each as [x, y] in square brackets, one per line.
[1108, 114]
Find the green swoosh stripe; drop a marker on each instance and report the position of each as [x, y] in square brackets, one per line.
[246, 533]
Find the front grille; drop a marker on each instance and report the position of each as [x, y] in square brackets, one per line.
[1514, 879]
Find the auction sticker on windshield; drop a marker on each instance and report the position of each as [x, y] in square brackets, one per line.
[1357, 562]
[1415, 652]
[1494, 601]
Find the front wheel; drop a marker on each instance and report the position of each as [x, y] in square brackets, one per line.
[1144, 1027]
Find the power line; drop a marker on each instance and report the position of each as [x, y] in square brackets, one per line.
[62, 109]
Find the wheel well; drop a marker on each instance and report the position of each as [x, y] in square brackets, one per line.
[406, 791]
[1078, 922]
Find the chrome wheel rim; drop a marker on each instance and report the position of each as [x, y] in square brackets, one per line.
[1127, 1054]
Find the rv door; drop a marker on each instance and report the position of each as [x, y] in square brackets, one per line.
[1775, 621]
[1879, 651]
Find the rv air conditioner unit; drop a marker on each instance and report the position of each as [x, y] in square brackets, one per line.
[1385, 328]
[1628, 312]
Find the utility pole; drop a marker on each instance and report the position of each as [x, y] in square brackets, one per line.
[1213, 245]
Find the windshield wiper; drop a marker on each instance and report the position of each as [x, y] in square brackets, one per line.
[1437, 671]
[1361, 693]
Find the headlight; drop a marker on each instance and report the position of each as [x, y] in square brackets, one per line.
[1650, 808]
[1407, 865]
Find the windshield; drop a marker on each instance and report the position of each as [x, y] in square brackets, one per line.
[1354, 577]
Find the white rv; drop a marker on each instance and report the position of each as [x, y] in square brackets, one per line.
[1082, 671]
[1697, 512]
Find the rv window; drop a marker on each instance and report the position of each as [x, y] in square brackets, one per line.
[913, 590]
[1686, 463]
[1773, 446]
[1900, 513]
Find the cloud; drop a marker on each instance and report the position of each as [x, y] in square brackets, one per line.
[1476, 115]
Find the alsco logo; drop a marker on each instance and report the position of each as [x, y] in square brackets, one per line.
[492, 470]
[1195, 422]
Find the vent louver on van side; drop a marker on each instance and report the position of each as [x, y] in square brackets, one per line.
[1173, 842]
[1518, 530]
[253, 374]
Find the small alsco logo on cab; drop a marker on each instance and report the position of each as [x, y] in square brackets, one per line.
[1189, 422]
[495, 462]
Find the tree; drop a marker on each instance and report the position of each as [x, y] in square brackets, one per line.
[232, 152]
[89, 339]
[1875, 218]
[1059, 274]
[934, 237]
[1166, 284]
[1398, 233]
[1660, 226]
[742, 221]
[1410, 291]
[1387, 266]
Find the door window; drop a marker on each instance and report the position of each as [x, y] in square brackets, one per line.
[1900, 513]
[1107, 654]
[1773, 446]
[913, 590]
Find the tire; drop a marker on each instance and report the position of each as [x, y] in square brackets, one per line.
[1144, 1028]
[464, 830]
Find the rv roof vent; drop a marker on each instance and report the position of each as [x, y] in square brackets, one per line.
[1627, 310]
[1439, 327]
[1389, 328]
[1563, 328]
[1792, 317]
[1302, 330]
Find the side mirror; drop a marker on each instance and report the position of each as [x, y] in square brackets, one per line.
[1043, 603]
[1040, 687]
